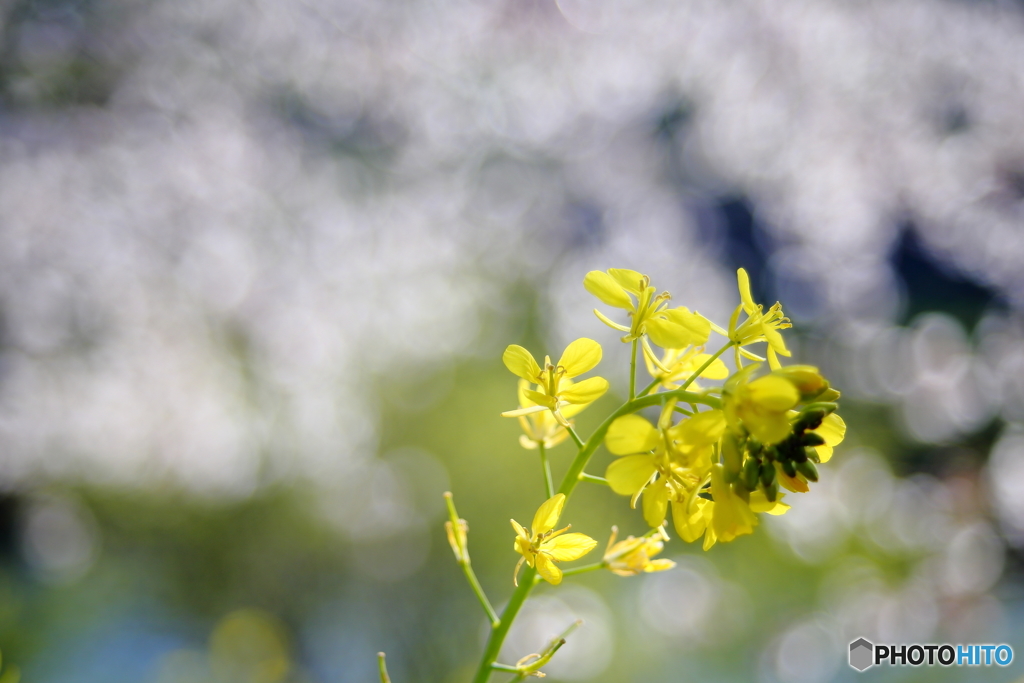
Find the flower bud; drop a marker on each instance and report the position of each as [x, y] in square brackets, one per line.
[807, 469]
[751, 470]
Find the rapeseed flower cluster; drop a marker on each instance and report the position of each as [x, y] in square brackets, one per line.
[722, 447]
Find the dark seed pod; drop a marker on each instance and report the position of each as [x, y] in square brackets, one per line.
[767, 474]
[771, 491]
[789, 468]
[808, 469]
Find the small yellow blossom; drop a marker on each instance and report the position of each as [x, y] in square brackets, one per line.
[541, 428]
[677, 365]
[662, 464]
[555, 388]
[633, 555]
[542, 547]
[650, 317]
[762, 405]
[759, 326]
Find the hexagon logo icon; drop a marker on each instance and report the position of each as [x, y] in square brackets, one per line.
[861, 654]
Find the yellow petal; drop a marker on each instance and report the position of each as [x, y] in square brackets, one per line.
[668, 334]
[732, 515]
[518, 528]
[586, 391]
[629, 280]
[709, 538]
[521, 389]
[701, 429]
[655, 505]
[659, 565]
[795, 484]
[580, 356]
[630, 434]
[539, 398]
[773, 393]
[767, 427]
[775, 340]
[604, 287]
[548, 514]
[573, 409]
[717, 369]
[521, 363]
[698, 326]
[548, 570]
[832, 429]
[743, 280]
[628, 475]
[568, 547]
[760, 503]
[690, 525]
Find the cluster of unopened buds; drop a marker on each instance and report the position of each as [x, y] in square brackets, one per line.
[722, 447]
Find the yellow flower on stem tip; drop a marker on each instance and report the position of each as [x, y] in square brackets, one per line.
[632, 556]
[631, 291]
[541, 428]
[759, 326]
[555, 388]
[542, 546]
[677, 365]
[762, 406]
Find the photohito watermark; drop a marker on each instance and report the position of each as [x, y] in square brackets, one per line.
[865, 654]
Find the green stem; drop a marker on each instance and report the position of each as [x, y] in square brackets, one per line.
[384, 678]
[593, 479]
[584, 569]
[706, 365]
[467, 568]
[569, 481]
[575, 436]
[497, 637]
[632, 372]
[646, 390]
[505, 667]
[549, 485]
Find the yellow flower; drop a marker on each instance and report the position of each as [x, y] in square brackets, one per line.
[633, 555]
[677, 365]
[555, 388]
[833, 431]
[542, 547]
[631, 291]
[762, 405]
[759, 326]
[663, 464]
[541, 428]
[731, 516]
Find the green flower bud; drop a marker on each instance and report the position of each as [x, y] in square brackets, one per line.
[771, 491]
[789, 467]
[733, 458]
[751, 470]
[808, 469]
[812, 439]
[767, 474]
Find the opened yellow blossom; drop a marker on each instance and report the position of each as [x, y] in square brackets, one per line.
[725, 517]
[541, 546]
[650, 316]
[762, 406]
[541, 428]
[760, 326]
[678, 365]
[632, 556]
[664, 464]
[555, 388]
